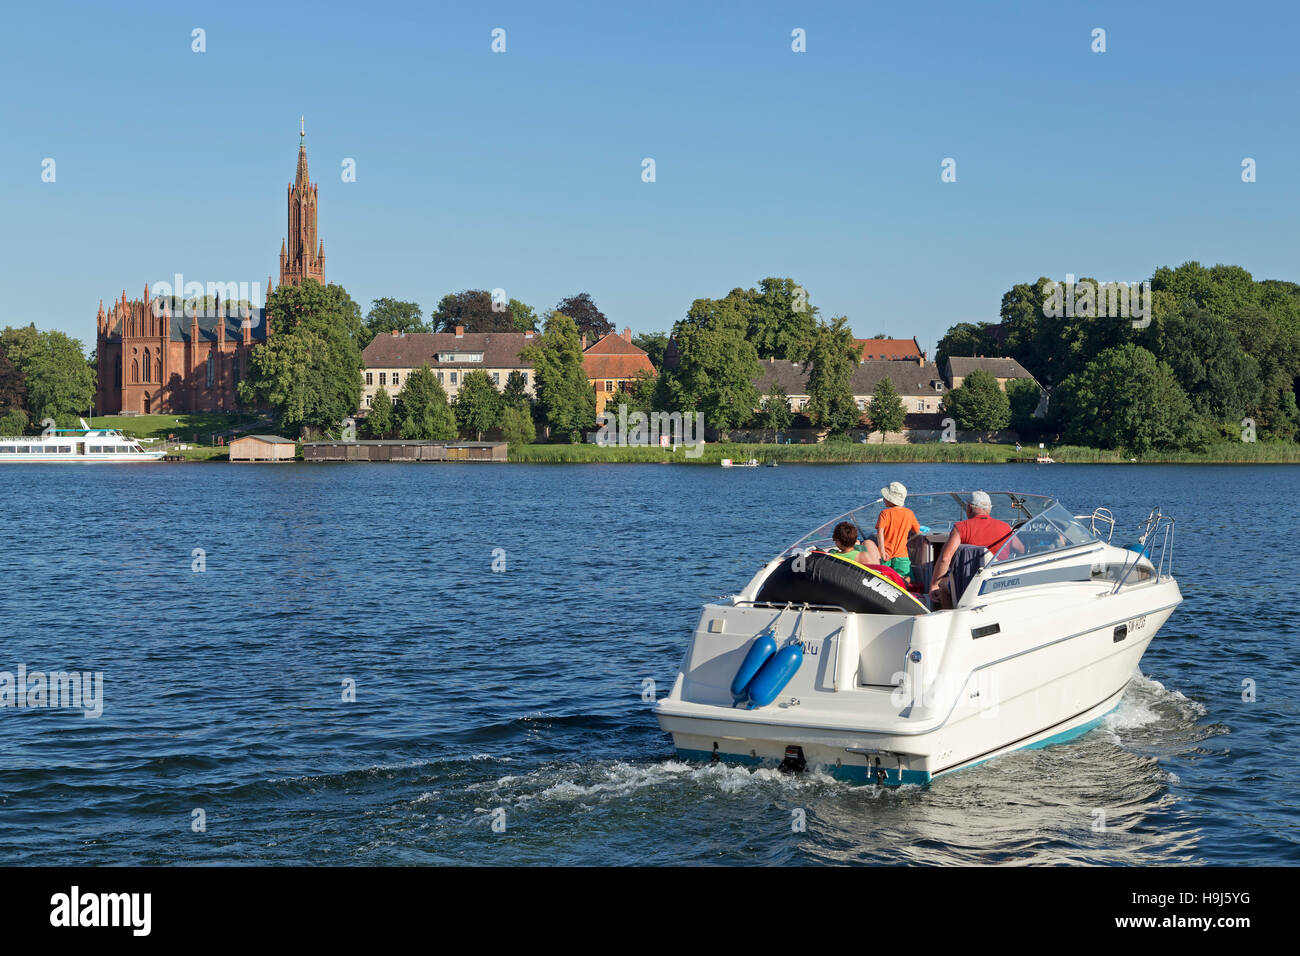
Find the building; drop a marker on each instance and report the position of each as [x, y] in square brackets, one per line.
[612, 364]
[918, 383]
[906, 350]
[405, 450]
[390, 359]
[1003, 369]
[152, 358]
[262, 448]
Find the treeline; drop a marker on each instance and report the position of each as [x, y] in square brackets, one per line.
[1216, 359]
[43, 375]
[477, 311]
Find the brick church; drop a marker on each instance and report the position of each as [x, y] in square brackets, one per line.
[150, 360]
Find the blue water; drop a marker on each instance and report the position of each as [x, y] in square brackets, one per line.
[516, 696]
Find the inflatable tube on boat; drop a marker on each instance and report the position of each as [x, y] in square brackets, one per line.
[821, 578]
[775, 674]
[764, 647]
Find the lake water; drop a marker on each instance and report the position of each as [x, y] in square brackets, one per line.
[479, 691]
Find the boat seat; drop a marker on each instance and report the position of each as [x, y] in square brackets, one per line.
[967, 561]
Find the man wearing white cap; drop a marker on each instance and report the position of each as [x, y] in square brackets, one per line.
[979, 529]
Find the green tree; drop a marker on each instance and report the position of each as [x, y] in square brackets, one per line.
[1125, 398]
[886, 412]
[979, 404]
[523, 316]
[423, 411]
[782, 322]
[19, 343]
[13, 423]
[653, 344]
[517, 426]
[717, 365]
[516, 390]
[566, 399]
[638, 394]
[831, 363]
[1203, 351]
[58, 378]
[478, 404]
[1023, 397]
[391, 315]
[775, 412]
[308, 371]
[964, 340]
[382, 420]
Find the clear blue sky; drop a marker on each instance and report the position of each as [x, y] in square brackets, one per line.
[523, 170]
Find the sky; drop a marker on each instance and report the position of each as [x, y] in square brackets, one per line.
[523, 169]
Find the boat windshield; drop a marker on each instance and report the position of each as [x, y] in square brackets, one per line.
[1039, 523]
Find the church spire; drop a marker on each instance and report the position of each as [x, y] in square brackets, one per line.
[301, 257]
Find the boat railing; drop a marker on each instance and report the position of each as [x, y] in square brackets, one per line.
[1099, 518]
[1156, 544]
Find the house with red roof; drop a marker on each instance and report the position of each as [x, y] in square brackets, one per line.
[612, 364]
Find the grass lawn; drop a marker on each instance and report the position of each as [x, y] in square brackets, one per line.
[184, 427]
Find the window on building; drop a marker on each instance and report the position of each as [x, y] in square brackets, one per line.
[383, 378]
[439, 378]
[609, 385]
[212, 369]
[370, 378]
[453, 378]
[496, 378]
[148, 367]
[920, 406]
[370, 401]
[394, 378]
[135, 370]
[234, 368]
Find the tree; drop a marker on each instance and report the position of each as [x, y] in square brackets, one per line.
[965, 339]
[472, 309]
[590, 321]
[13, 423]
[523, 316]
[775, 412]
[308, 371]
[58, 378]
[566, 399]
[1125, 398]
[13, 387]
[717, 365]
[424, 412]
[1203, 351]
[391, 315]
[381, 420]
[478, 404]
[1023, 397]
[831, 363]
[979, 404]
[653, 344]
[516, 390]
[517, 426]
[782, 322]
[19, 343]
[886, 412]
[638, 394]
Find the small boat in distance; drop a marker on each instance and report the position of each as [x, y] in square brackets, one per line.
[728, 463]
[75, 444]
[1045, 460]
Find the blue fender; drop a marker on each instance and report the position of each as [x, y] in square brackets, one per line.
[764, 647]
[774, 675]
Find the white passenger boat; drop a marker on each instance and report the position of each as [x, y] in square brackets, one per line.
[75, 444]
[1045, 630]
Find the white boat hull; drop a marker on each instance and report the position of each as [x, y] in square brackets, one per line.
[861, 708]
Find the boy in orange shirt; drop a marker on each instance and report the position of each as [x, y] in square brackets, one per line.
[894, 527]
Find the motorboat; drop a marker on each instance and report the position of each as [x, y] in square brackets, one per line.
[751, 463]
[819, 662]
[84, 444]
